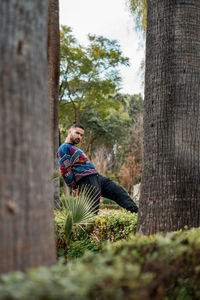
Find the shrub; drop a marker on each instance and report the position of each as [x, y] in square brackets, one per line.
[77, 248]
[114, 226]
[108, 201]
[110, 206]
[111, 226]
[155, 267]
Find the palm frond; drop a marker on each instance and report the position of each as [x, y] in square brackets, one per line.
[80, 209]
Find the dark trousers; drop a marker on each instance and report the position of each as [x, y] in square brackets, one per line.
[109, 189]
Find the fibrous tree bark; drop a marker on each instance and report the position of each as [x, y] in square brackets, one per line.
[26, 195]
[170, 193]
[53, 86]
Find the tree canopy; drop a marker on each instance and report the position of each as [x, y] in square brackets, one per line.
[88, 74]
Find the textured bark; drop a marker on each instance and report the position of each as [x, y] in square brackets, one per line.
[53, 85]
[26, 196]
[170, 193]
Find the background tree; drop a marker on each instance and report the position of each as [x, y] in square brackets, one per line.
[129, 145]
[104, 131]
[130, 171]
[170, 194]
[26, 221]
[53, 84]
[101, 159]
[88, 74]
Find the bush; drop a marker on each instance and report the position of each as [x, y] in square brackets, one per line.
[77, 248]
[111, 226]
[108, 201]
[155, 267]
[110, 206]
[114, 226]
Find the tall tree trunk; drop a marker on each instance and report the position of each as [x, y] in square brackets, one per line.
[26, 196]
[53, 85]
[170, 194]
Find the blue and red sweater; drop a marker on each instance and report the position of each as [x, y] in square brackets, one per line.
[74, 164]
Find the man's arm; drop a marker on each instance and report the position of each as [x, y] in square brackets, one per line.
[68, 177]
[64, 157]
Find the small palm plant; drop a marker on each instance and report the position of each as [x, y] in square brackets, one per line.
[78, 210]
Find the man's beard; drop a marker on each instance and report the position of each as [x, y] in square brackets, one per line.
[75, 141]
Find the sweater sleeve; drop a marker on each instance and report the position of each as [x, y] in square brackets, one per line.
[64, 155]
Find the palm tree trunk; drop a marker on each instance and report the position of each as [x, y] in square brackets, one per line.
[26, 196]
[170, 194]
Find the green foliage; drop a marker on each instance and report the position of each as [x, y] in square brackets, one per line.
[108, 201]
[110, 226]
[68, 225]
[77, 248]
[109, 204]
[155, 267]
[134, 106]
[105, 131]
[114, 226]
[78, 210]
[139, 10]
[88, 75]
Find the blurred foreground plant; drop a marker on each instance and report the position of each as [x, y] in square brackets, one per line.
[145, 267]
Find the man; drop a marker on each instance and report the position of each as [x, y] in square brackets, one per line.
[78, 171]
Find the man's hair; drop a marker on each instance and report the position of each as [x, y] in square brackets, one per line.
[76, 125]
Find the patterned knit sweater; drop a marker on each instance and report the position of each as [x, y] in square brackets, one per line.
[74, 164]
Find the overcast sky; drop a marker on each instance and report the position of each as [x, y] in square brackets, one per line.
[111, 19]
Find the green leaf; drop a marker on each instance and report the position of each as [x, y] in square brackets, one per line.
[68, 225]
[61, 252]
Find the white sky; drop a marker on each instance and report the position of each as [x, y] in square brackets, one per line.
[111, 19]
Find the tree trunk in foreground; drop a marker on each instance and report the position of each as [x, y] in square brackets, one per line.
[53, 86]
[170, 194]
[26, 196]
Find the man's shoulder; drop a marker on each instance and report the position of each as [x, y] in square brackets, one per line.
[67, 148]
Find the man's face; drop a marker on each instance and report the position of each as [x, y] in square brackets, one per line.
[75, 135]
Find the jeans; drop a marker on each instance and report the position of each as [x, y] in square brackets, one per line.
[108, 189]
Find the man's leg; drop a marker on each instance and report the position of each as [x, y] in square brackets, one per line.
[113, 191]
[95, 193]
